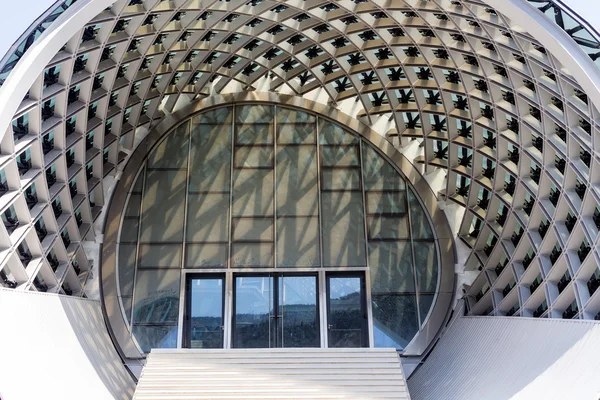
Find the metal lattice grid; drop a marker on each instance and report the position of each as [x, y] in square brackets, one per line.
[452, 84]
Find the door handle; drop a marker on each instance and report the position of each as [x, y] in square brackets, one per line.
[329, 326]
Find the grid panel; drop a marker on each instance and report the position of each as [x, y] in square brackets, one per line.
[454, 84]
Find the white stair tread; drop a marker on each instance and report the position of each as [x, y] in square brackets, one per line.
[273, 374]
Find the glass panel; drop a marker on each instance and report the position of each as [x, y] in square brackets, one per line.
[425, 303]
[254, 134]
[298, 316]
[156, 306]
[155, 336]
[395, 320]
[339, 156]
[127, 305]
[160, 255]
[333, 134]
[298, 242]
[253, 229]
[252, 192]
[385, 227]
[217, 116]
[343, 237]
[346, 316]
[129, 230]
[208, 218]
[210, 164]
[297, 134]
[288, 115]
[297, 180]
[164, 205]
[253, 308]
[254, 113]
[253, 157]
[252, 255]
[173, 151]
[206, 313]
[386, 202]
[391, 267]
[156, 296]
[427, 271]
[206, 255]
[340, 179]
[133, 205]
[421, 227]
[126, 268]
[379, 174]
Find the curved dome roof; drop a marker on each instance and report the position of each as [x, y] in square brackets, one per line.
[499, 115]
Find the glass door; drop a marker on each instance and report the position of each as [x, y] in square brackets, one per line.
[204, 312]
[347, 320]
[275, 310]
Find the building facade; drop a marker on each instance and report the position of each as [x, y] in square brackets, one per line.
[258, 174]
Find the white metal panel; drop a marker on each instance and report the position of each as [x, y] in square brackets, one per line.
[350, 374]
[512, 358]
[57, 347]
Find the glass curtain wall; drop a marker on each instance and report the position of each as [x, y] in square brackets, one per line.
[268, 187]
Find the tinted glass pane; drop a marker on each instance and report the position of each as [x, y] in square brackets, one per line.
[156, 297]
[253, 229]
[206, 255]
[210, 164]
[173, 151]
[297, 134]
[339, 156]
[388, 227]
[298, 318]
[340, 179]
[206, 313]
[126, 268]
[208, 217]
[421, 228]
[254, 134]
[391, 267]
[164, 205]
[160, 255]
[252, 192]
[427, 271]
[379, 174]
[297, 189]
[252, 255]
[155, 337]
[288, 115]
[298, 242]
[343, 237]
[395, 320]
[254, 113]
[346, 315]
[334, 134]
[253, 157]
[253, 307]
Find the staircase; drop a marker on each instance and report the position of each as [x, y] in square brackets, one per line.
[349, 374]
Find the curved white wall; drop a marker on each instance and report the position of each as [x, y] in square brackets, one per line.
[57, 347]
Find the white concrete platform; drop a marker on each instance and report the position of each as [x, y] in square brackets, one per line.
[350, 374]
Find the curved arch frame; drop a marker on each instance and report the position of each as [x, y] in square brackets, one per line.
[443, 234]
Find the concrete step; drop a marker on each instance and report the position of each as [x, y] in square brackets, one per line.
[274, 374]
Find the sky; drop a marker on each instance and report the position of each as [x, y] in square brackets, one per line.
[16, 17]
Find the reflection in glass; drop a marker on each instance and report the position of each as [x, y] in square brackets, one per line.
[282, 188]
[276, 311]
[395, 320]
[156, 308]
[206, 313]
[346, 314]
[343, 237]
[253, 308]
[297, 316]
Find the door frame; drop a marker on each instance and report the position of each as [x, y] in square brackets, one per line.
[274, 275]
[185, 343]
[365, 330]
